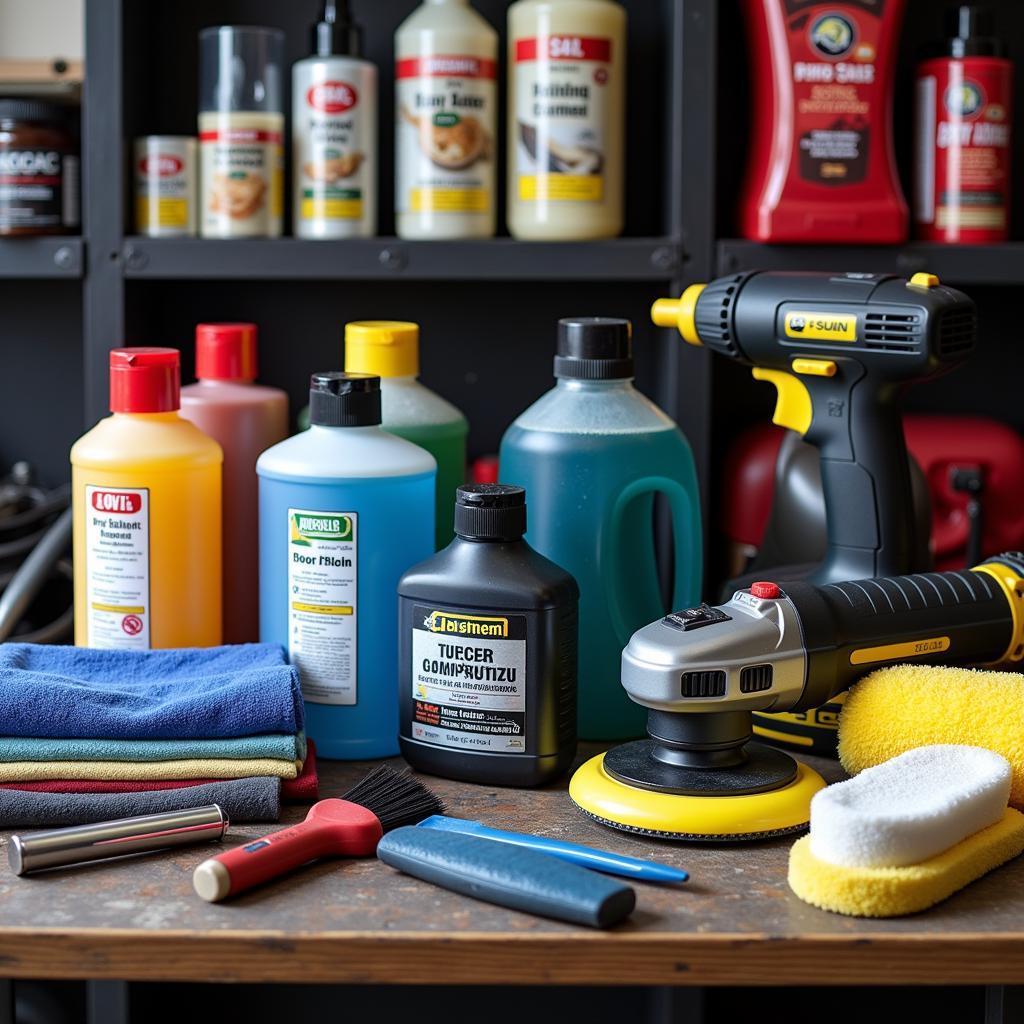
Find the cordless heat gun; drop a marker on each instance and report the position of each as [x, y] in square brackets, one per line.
[839, 348]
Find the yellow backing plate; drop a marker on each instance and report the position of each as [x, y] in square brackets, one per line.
[709, 818]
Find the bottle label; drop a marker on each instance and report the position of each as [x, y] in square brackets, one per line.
[445, 116]
[963, 150]
[323, 570]
[117, 566]
[469, 680]
[333, 150]
[561, 117]
[242, 175]
[38, 189]
[837, 91]
[164, 202]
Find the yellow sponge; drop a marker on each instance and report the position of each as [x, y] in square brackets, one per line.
[890, 892]
[907, 706]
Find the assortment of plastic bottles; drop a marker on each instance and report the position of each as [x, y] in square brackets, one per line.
[307, 541]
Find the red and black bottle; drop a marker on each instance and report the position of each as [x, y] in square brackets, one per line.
[964, 96]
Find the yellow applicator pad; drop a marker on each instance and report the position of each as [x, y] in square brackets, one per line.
[891, 892]
[907, 834]
[906, 706]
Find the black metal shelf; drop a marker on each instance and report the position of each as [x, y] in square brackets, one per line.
[57, 256]
[497, 259]
[958, 264]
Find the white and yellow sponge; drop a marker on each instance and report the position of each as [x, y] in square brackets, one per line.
[907, 834]
[896, 709]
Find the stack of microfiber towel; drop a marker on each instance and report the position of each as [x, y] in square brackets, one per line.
[92, 735]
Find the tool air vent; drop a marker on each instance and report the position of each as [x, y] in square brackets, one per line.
[710, 683]
[893, 332]
[755, 678]
[957, 331]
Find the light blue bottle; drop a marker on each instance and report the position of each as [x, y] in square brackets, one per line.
[345, 509]
[592, 453]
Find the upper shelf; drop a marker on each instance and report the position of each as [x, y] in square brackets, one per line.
[637, 259]
[45, 256]
[956, 264]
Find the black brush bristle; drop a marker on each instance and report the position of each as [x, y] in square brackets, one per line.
[395, 797]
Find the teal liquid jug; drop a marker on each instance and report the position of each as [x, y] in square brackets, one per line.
[592, 454]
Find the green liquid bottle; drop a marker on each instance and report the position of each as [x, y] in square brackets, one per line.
[390, 349]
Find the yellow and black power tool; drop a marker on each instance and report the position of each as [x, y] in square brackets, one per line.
[840, 350]
[703, 672]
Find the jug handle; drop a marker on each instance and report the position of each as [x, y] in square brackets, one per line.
[688, 550]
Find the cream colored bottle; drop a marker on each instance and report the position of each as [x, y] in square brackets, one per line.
[566, 139]
[446, 66]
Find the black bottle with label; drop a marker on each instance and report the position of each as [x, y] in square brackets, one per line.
[488, 633]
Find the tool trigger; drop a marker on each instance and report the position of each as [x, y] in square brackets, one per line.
[793, 401]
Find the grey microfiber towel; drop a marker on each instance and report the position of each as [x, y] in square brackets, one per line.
[257, 799]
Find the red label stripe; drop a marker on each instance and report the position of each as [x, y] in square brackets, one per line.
[446, 66]
[564, 48]
[240, 135]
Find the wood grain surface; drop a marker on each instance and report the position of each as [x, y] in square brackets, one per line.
[734, 923]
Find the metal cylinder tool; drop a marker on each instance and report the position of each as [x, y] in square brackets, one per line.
[35, 851]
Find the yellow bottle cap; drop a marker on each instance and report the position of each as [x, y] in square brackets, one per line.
[387, 348]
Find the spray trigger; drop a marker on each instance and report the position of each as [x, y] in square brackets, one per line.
[793, 400]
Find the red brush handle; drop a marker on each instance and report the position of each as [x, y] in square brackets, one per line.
[333, 828]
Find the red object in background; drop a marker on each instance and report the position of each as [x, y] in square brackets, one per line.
[941, 445]
[821, 165]
[964, 94]
[484, 470]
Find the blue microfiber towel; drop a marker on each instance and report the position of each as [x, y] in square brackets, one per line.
[275, 746]
[194, 693]
[256, 799]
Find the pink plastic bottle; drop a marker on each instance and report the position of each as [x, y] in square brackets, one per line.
[245, 418]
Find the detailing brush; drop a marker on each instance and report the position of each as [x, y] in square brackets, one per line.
[348, 827]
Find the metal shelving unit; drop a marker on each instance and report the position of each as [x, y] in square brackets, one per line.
[43, 257]
[498, 259]
[959, 264]
[487, 307]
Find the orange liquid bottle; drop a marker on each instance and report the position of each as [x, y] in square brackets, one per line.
[146, 490]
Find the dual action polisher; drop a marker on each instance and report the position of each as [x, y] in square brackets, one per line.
[702, 672]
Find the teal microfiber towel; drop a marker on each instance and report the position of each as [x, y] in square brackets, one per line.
[276, 746]
[257, 799]
[193, 693]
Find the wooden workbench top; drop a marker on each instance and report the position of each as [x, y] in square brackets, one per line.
[735, 922]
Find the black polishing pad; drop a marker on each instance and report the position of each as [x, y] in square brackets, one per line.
[763, 769]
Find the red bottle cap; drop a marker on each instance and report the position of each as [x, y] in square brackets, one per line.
[765, 591]
[145, 379]
[226, 351]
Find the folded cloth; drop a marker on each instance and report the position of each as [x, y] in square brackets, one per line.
[278, 746]
[197, 768]
[241, 800]
[193, 693]
[303, 788]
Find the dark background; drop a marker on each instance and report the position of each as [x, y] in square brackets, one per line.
[487, 346]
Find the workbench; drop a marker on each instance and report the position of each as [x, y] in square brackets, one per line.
[734, 923]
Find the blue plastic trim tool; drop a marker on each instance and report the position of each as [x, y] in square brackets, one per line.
[508, 876]
[585, 856]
